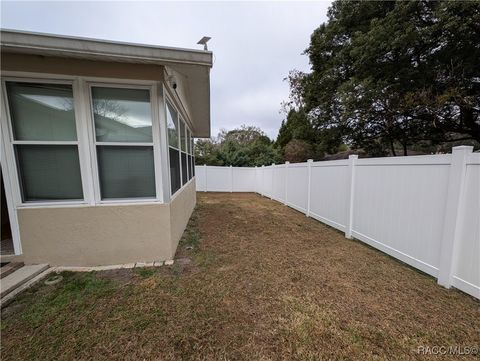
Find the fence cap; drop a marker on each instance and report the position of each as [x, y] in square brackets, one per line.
[464, 148]
[353, 156]
[310, 161]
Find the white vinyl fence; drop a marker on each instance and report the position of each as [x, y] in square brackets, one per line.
[422, 210]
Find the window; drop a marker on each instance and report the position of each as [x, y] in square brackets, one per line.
[189, 150]
[173, 148]
[45, 141]
[124, 143]
[183, 148]
[192, 157]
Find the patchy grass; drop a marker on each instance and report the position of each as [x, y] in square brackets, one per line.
[262, 282]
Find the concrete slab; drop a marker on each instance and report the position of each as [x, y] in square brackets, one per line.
[19, 277]
[9, 297]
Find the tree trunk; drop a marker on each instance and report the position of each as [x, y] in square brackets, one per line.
[392, 148]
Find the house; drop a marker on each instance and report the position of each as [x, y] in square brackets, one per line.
[97, 147]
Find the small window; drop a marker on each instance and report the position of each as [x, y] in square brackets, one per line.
[123, 116]
[49, 166]
[174, 153]
[192, 166]
[189, 166]
[184, 168]
[183, 142]
[189, 142]
[175, 182]
[172, 126]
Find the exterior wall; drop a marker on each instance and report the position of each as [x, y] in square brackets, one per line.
[93, 236]
[54, 65]
[107, 234]
[181, 208]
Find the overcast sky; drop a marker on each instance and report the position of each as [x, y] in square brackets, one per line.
[255, 44]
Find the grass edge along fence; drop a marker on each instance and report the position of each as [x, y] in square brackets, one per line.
[422, 210]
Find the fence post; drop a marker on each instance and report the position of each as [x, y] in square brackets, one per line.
[453, 214]
[286, 181]
[231, 179]
[350, 195]
[273, 180]
[309, 165]
[205, 169]
[263, 181]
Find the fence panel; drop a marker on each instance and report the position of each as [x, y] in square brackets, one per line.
[399, 208]
[466, 275]
[200, 173]
[243, 179]
[328, 186]
[297, 182]
[218, 179]
[278, 191]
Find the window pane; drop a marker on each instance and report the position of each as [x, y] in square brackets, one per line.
[172, 126]
[189, 166]
[126, 172]
[49, 172]
[184, 168]
[189, 142]
[174, 170]
[192, 166]
[182, 136]
[41, 111]
[122, 115]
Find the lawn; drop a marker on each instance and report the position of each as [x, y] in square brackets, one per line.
[254, 280]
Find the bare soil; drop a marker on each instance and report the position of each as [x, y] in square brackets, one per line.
[256, 281]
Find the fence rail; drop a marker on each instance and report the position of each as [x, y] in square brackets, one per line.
[422, 210]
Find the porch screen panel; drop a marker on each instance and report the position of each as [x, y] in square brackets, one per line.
[173, 148]
[184, 168]
[189, 151]
[45, 141]
[123, 134]
[183, 150]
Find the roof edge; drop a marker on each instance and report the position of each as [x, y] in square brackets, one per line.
[54, 44]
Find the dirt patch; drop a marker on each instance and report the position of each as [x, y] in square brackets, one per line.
[263, 283]
[121, 276]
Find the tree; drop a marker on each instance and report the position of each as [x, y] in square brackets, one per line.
[297, 151]
[305, 139]
[389, 75]
[242, 147]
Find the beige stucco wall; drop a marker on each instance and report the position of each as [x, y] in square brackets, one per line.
[181, 208]
[106, 234]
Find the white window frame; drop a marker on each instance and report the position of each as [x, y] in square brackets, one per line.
[185, 128]
[155, 144]
[10, 142]
[178, 147]
[85, 138]
[168, 98]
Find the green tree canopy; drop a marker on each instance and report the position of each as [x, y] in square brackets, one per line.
[242, 147]
[394, 74]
